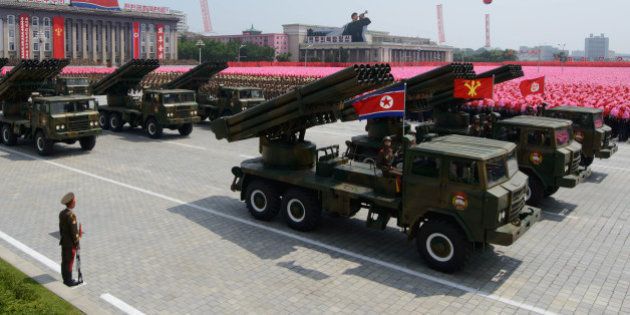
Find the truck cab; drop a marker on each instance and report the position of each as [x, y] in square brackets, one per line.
[52, 119]
[589, 130]
[229, 101]
[547, 153]
[66, 86]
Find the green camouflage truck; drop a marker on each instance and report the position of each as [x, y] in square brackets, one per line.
[45, 119]
[589, 130]
[229, 101]
[157, 109]
[547, 153]
[64, 85]
[450, 194]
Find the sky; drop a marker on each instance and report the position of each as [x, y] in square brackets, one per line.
[514, 23]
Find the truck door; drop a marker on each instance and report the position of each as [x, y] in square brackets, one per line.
[539, 151]
[422, 184]
[463, 190]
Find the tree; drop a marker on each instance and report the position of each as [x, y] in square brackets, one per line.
[217, 51]
[283, 57]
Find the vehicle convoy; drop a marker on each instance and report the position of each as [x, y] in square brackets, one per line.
[46, 119]
[175, 109]
[550, 165]
[449, 195]
[589, 130]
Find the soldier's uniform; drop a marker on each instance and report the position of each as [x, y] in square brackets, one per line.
[69, 241]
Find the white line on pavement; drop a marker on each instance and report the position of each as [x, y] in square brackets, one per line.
[245, 156]
[319, 244]
[31, 252]
[121, 305]
[613, 168]
[186, 145]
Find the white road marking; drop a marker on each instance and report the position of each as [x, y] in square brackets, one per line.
[561, 214]
[613, 168]
[186, 145]
[31, 252]
[121, 305]
[245, 156]
[302, 239]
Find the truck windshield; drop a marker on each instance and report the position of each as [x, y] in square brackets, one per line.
[563, 137]
[72, 107]
[251, 94]
[499, 169]
[77, 81]
[175, 98]
[599, 121]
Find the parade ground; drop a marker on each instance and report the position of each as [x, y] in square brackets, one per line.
[163, 233]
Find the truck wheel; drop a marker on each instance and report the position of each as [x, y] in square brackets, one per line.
[103, 120]
[535, 192]
[443, 246]
[87, 143]
[43, 145]
[186, 129]
[115, 122]
[8, 137]
[263, 200]
[202, 117]
[586, 161]
[302, 210]
[154, 129]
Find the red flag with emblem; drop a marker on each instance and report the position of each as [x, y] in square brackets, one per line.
[533, 86]
[59, 37]
[474, 89]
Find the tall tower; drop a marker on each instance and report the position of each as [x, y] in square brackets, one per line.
[440, 21]
[488, 42]
[205, 14]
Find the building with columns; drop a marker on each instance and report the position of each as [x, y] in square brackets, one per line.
[54, 29]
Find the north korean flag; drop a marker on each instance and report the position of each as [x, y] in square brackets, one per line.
[533, 86]
[388, 102]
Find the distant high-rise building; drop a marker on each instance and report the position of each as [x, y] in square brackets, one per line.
[182, 25]
[597, 47]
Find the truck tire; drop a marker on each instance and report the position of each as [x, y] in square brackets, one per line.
[153, 128]
[586, 161]
[262, 200]
[551, 190]
[443, 246]
[186, 129]
[202, 117]
[43, 145]
[103, 120]
[302, 210]
[535, 192]
[115, 122]
[87, 143]
[8, 137]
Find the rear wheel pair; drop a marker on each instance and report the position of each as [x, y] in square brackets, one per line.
[8, 137]
[301, 209]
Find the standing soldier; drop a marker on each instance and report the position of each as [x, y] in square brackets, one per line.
[70, 236]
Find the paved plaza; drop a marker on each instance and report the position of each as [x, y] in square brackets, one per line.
[164, 234]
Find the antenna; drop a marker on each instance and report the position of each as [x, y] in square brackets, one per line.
[205, 14]
[488, 42]
[440, 21]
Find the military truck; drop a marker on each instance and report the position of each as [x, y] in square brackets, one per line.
[175, 109]
[589, 130]
[229, 101]
[448, 196]
[65, 85]
[47, 120]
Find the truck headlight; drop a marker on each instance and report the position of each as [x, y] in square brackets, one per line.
[58, 127]
[566, 169]
[502, 216]
[192, 113]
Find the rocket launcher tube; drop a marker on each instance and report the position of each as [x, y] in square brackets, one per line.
[197, 76]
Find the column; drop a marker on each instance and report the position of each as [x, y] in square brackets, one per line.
[147, 43]
[104, 43]
[122, 43]
[113, 43]
[94, 40]
[174, 43]
[5, 37]
[74, 40]
[84, 39]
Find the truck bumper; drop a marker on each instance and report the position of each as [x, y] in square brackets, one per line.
[507, 234]
[570, 181]
[73, 135]
[181, 121]
[607, 152]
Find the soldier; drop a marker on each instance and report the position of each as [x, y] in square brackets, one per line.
[385, 158]
[70, 236]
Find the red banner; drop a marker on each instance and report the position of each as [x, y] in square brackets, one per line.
[474, 89]
[59, 37]
[25, 36]
[160, 41]
[136, 40]
[533, 86]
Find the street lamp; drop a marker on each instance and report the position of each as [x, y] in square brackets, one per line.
[563, 45]
[239, 53]
[200, 44]
[306, 54]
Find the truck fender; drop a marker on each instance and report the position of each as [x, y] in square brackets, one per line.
[531, 173]
[435, 213]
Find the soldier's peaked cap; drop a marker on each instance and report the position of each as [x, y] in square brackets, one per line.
[67, 198]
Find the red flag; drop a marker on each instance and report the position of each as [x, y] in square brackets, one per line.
[25, 36]
[136, 40]
[474, 89]
[533, 86]
[59, 37]
[160, 41]
[385, 103]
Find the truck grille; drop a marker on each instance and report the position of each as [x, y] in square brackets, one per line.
[518, 202]
[183, 113]
[78, 123]
[575, 163]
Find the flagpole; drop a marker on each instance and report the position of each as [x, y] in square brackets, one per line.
[404, 110]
